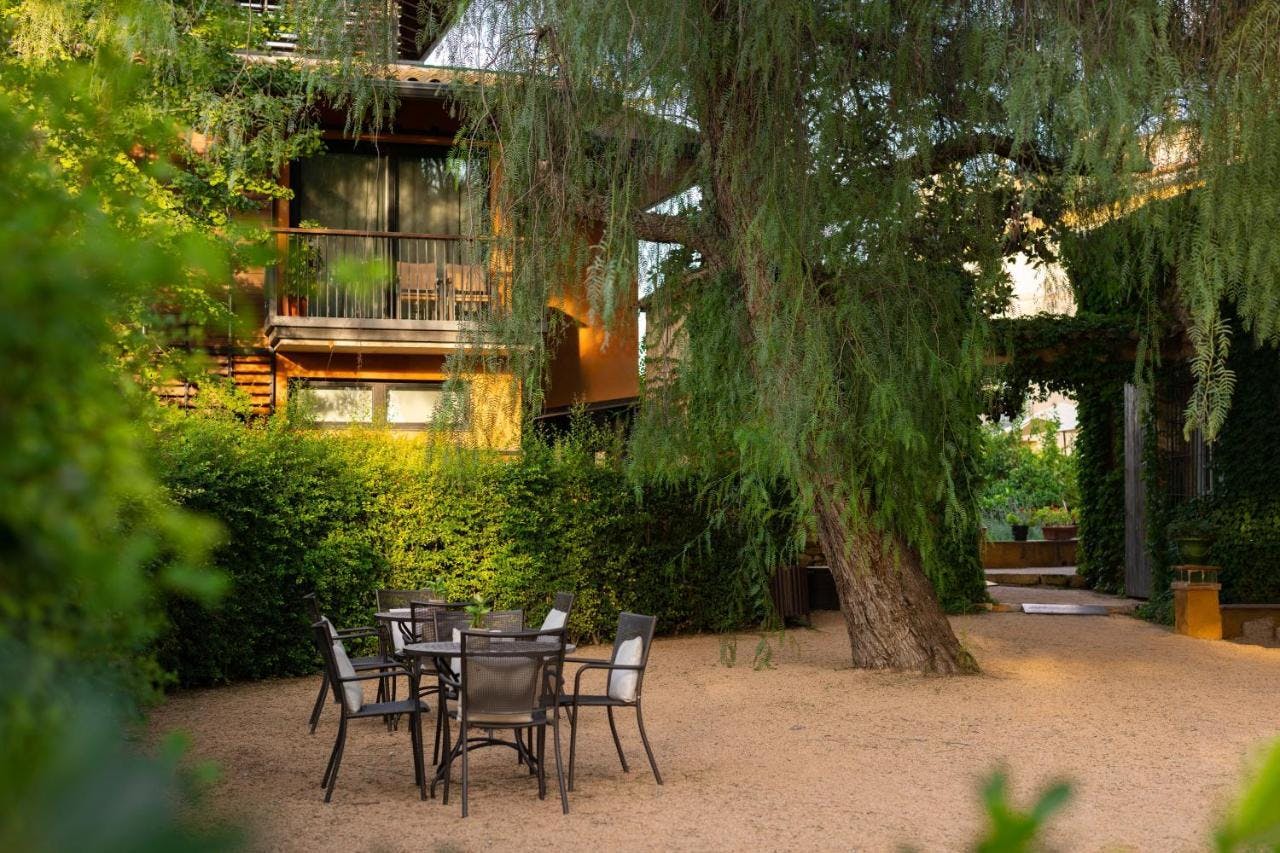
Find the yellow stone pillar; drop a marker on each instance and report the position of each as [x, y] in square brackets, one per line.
[1195, 602]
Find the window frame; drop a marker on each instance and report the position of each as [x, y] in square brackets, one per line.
[380, 389]
[393, 151]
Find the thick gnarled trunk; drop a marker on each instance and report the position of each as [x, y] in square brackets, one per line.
[890, 607]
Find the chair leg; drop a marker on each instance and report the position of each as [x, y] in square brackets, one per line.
[420, 772]
[462, 738]
[573, 740]
[337, 758]
[564, 795]
[319, 706]
[447, 758]
[435, 750]
[324, 780]
[645, 739]
[541, 751]
[617, 744]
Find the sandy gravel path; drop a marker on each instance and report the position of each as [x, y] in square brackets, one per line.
[1155, 730]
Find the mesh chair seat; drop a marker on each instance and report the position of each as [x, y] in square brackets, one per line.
[498, 720]
[593, 701]
[372, 662]
[381, 709]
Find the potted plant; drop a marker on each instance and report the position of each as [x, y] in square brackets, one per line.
[1057, 523]
[478, 609]
[1020, 522]
[1193, 537]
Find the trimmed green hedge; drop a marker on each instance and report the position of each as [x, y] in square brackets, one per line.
[344, 514]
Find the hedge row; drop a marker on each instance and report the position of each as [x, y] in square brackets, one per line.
[344, 514]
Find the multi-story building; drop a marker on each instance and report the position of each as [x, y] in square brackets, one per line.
[386, 261]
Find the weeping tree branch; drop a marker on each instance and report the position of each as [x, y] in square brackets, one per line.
[959, 149]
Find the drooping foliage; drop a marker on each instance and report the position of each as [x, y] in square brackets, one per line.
[858, 169]
[845, 234]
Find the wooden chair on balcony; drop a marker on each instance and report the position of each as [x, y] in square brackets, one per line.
[469, 287]
[419, 290]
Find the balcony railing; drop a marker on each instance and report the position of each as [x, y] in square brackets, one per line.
[381, 275]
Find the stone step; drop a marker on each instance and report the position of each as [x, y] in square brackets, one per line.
[1066, 609]
[1057, 576]
[1027, 599]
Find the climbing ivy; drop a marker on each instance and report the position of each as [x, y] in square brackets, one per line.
[1243, 509]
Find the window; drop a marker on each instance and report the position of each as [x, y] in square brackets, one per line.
[399, 405]
[411, 189]
[341, 404]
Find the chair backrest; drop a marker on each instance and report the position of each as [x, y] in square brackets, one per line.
[337, 666]
[503, 620]
[558, 615]
[393, 599]
[508, 676]
[313, 604]
[631, 647]
[421, 628]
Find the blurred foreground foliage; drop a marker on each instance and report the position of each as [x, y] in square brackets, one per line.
[88, 539]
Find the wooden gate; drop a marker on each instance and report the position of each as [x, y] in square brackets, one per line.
[1137, 562]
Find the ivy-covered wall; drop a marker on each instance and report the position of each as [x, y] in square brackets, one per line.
[1100, 473]
[1243, 509]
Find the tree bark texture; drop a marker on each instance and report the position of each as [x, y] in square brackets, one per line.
[890, 608]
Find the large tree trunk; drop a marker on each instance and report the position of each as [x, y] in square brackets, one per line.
[890, 607]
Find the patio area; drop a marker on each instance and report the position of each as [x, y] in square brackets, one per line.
[1156, 732]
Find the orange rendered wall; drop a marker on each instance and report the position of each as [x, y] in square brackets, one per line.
[495, 397]
[592, 363]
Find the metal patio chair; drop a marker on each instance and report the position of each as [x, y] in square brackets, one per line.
[623, 688]
[510, 680]
[367, 663]
[347, 684]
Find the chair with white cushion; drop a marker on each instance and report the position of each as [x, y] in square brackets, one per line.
[370, 663]
[623, 687]
[558, 616]
[347, 684]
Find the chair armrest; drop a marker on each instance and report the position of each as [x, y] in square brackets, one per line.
[585, 660]
[370, 676]
[605, 665]
[353, 633]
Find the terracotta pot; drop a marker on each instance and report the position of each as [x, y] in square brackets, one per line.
[1059, 532]
[1020, 532]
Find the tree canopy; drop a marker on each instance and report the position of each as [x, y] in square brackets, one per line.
[860, 171]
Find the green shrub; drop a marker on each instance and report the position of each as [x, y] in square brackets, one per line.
[345, 513]
[1017, 479]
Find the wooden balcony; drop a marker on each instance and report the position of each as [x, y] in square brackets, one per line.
[378, 291]
[402, 16]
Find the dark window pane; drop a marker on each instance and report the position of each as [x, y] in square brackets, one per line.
[345, 191]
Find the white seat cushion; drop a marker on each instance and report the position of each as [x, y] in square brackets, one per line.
[396, 626]
[352, 691]
[456, 661]
[623, 682]
[554, 621]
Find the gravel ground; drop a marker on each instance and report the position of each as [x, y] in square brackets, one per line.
[1156, 731]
